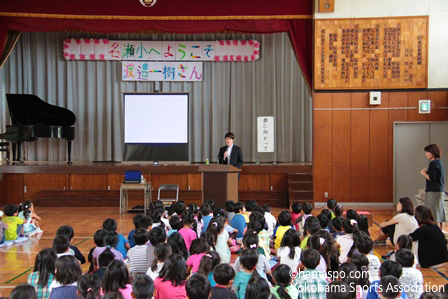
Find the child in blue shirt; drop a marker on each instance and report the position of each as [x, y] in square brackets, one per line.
[131, 233]
[123, 245]
[175, 224]
[238, 221]
[206, 217]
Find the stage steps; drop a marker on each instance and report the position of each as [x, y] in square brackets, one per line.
[300, 188]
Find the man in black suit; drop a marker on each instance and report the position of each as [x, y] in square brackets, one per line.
[230, 150]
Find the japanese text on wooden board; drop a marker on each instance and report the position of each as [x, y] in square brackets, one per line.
[371, 53]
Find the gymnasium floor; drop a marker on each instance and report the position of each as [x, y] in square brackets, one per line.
[17, 261]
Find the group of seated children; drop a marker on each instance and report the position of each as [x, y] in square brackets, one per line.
[188, 255]
[17, 223]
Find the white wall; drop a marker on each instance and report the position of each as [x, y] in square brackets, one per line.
[438, 26]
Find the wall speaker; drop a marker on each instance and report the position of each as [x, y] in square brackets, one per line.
[326, 6]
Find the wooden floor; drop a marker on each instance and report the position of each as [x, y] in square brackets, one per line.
[17, 261]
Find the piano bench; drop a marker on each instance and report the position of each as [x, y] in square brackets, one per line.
[4, 147]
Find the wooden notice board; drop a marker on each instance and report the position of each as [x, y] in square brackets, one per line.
[371, 53]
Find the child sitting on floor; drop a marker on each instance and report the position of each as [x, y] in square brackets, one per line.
[175, 224]
[123, 246]
[98, 239]
[223, 274]
[104, 260]
[250, 241]
[172, 278]
[411, 278]
[208, 263]
[135, 220]
[3, 227]
[162, 252]
[142, 287]
[14, 224]
[188, 232]
[31, 226]
[296, 210]
[310, 276]
[283, 288]
[137, 255]
[198, 249]
[238, 221]
[249, 261]
[89, 286]
[61, 245]
[70, 233]
[198, 287]
[271, 222]
[110, 241]
[284, 219]
[67, 273]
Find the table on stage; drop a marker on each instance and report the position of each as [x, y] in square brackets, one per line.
[124, 198]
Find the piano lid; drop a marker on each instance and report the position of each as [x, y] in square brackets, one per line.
[29, 109]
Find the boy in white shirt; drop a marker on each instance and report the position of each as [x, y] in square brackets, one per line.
[270, 219]
[411, 278]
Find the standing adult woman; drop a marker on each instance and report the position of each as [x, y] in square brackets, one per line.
[435, 183]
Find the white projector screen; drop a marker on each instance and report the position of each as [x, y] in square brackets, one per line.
[156, 126]
[156, 118]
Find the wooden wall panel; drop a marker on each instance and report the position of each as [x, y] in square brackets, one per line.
[413, 98]
[37, 182]
[278, 182]
[13, 188]
[359, 148]
[254, 182]
[88, 181]
[379, 152]
[341, 147]
[322, 144]
[438, 99]
[179, 179]
[195, 181]
[368, 143]
[396, 100]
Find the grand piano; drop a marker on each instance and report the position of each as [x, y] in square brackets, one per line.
[33, 118]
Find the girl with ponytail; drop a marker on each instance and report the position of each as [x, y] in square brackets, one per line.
[161, 253]
[26, 212]
[208, 263]
[188, 232]
[346, 241]
[89, 286]
[249, 260]
[217, 227]
[284, 289]
[318, 243]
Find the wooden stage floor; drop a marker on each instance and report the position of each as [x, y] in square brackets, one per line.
[17, 261]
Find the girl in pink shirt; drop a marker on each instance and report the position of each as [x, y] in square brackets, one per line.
[171, 281]
[116, 279]
[198, 248]
[187, 231]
